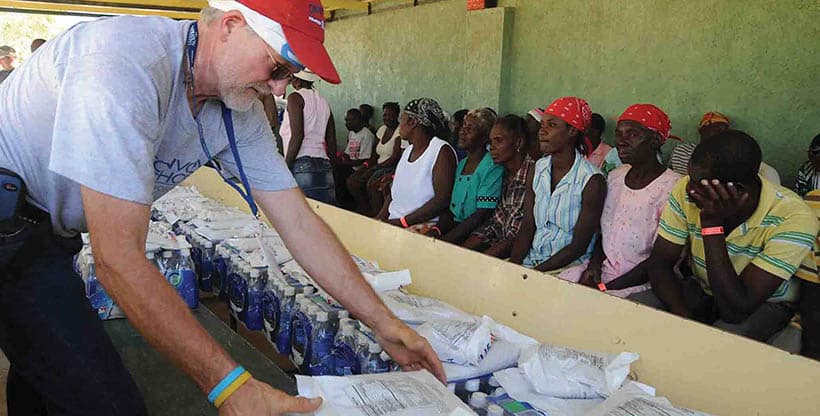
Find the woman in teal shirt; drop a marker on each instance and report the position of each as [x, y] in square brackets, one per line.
[478, 182]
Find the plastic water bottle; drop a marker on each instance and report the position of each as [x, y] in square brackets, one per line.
[271, 298]
[300, 336]
[253, 309]
[488, 385]
[164, 262]
[239, 291]
[90, 277]
[97, 297]
[187, 286]
[206, 267]
[464, 391]
[478, 402]
[283, 329]
[234, 267]
[196, 249]
[343, 314]
[392, 366]
[361, 345]
[345, 359]
[495, 410]
[80, 259]
[322, 360]
[373, 364]
[221, 271]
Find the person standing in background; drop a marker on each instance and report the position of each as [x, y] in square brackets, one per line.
[7, 57]
[36, 43]
[309, 138]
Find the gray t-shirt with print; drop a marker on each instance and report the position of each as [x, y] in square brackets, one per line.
[104, 105]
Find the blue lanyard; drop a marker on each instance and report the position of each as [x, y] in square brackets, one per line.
[193, 38]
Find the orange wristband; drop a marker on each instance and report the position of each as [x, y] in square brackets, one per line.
[711, 231]
[602, 286]
[404, 222]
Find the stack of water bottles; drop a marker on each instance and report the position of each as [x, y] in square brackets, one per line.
[169, 253]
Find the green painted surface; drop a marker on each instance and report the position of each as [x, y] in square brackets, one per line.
[757, 61]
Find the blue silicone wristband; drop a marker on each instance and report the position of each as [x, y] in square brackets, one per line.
[222, 385]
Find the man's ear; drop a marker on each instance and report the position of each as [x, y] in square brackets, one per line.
[231, 21]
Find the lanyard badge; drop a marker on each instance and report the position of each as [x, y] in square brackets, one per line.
[244, 190]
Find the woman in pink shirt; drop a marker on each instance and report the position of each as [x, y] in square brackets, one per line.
[637, 192]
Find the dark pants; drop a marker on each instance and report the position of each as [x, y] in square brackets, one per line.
[761, 325]
[810, 319]
[62, 361]
[315, 177]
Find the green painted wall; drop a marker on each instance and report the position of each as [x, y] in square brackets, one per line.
[757, 61]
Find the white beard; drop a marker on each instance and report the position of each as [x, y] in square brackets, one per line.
[241, 100]
[238, 98]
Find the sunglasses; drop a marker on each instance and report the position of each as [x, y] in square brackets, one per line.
[280, 71]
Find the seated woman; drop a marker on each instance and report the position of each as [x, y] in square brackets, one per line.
[565, 193]
[477, 186]
[637, 192]
[508, 148]
[424, 176]
[383, 161]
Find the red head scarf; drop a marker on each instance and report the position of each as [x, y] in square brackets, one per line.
[573, 110]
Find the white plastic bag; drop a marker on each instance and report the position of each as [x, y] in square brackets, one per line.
[503, 354]
[633, 400]
[574, 374]
[459, 341]
[417, 310]
[515, 383]
[415, 393]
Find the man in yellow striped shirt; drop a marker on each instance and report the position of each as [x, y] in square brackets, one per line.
[746, 236]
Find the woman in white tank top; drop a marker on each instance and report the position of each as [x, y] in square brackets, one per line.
[424, 176]
[308, 138]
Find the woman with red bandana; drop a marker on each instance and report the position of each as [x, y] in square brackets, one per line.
[565, 193]
[636, 195]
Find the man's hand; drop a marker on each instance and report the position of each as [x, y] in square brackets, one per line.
[409, 349]
[717, 201]
[591, 276]
[255, 398]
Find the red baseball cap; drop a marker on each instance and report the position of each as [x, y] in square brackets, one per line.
[301, 21]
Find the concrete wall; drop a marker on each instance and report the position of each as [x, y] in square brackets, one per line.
[757, 61]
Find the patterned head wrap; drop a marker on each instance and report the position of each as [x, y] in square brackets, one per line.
[713, 117]
[573, 110]
[427, 112]
[650, 117]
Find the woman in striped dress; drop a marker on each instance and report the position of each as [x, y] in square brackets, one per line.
[565, 193]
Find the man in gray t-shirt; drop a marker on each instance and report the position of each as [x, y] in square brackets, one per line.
[100, 122]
